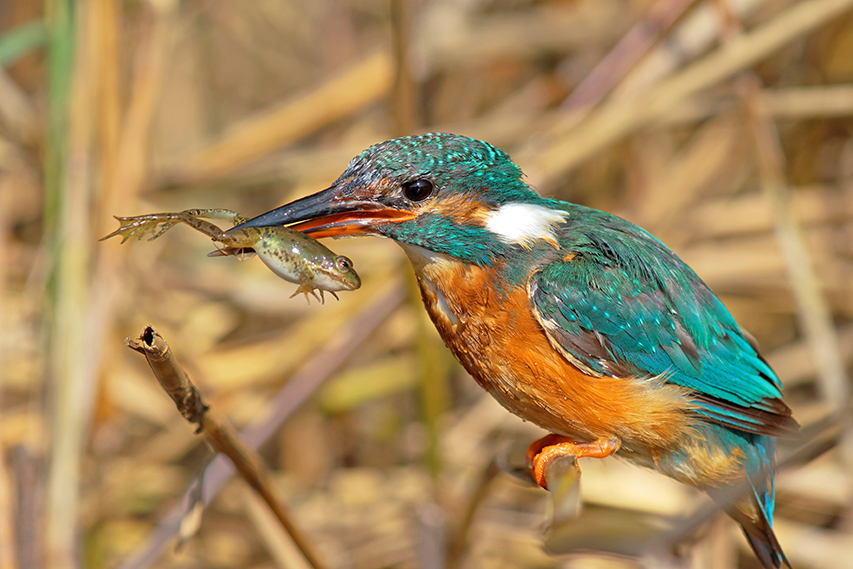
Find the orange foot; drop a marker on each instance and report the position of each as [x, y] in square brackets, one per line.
[549, 447]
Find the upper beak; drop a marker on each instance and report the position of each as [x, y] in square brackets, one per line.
[330, 214]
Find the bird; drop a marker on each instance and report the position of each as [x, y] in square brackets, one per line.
[572, 318]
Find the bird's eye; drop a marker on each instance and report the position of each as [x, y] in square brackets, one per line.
[418, 190]
[343, 264]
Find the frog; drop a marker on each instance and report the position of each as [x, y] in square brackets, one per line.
[293, 256]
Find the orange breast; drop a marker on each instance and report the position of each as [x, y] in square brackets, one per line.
[499, 341]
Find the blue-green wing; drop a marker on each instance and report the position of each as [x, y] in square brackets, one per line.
[622, 304]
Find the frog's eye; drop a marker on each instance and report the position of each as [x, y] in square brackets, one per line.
[343, 264]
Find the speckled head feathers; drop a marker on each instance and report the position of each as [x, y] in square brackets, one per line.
[445, 193]
[453, 162]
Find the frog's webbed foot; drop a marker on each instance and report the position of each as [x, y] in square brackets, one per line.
[163, 229]
[307, 288]
[142, 225]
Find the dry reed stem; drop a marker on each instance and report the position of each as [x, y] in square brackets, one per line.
[797, 359]
[619, 118]
[823, 102]
[6, 221]
[7, 538]
[277, 542]
[17, 113]
[815, 102]
[539, 30]
[70, 369]
[303, 383]
[105, 22]
[134, 136]
[404, 93]
[686, 173]
[817, 206]
[336, 98]
[630, 49]
[28, 511]
[217, 432]
[459, 538]
[563, 477]
[124, 142]
[813, 312]
[693, 36]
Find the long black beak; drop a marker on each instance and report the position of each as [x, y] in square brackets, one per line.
[323, 203]
[330, 214]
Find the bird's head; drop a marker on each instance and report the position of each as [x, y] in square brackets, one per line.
[441, 192]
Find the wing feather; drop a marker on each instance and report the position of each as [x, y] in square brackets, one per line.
[622, 304]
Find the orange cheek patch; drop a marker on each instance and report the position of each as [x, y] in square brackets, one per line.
[460, 206]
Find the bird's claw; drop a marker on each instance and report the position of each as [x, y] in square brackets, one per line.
[549, 447]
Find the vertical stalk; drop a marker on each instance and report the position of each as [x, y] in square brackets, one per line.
[405, 100]
[60, 19]
[70, 369]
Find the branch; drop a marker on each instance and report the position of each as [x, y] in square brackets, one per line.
[216, 431]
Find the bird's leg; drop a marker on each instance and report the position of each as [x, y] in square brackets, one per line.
[549, 447]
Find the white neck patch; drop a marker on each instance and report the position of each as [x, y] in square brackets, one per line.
[523, 223]
[422, 258]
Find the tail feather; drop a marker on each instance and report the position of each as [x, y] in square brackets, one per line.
[755, 516]
[767, 549]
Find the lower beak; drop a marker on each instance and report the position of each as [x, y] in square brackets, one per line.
[329, 214]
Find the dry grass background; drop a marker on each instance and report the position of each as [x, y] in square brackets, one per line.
[724, 127]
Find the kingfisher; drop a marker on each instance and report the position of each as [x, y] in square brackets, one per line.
[572, 318]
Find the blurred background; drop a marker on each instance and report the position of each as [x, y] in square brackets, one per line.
[725, 127]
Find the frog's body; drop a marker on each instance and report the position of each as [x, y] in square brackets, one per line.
[293, 256]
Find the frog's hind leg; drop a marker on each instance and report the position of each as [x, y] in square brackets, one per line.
[233, 241]
[158, 223]
[218, 213]
[195, 219]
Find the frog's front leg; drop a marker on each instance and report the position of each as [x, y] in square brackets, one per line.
[241, 253]
[307, 287]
